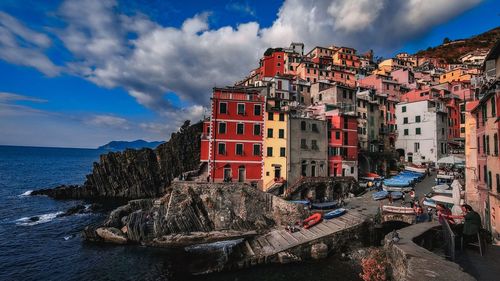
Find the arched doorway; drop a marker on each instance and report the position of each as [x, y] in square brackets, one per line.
[364, 164]
[227, 172]
[313, 168]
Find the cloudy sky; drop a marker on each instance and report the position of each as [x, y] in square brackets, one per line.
[78, 73]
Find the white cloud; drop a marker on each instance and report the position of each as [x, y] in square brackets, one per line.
[23, 46]
[109, 121]
[11, 97]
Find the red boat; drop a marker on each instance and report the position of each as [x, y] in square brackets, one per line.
[312, 220]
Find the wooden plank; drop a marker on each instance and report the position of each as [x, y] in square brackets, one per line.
[324, 228]
[282, 243]
[249, 249]
[333, 225]
[288, 236]
[308, 233]
[316, 231]
[299, 235]
[257, 249]
[337, 222]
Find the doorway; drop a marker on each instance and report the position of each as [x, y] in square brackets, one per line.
[241, 174]
[227, 172]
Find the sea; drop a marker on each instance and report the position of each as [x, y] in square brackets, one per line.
[51, 248]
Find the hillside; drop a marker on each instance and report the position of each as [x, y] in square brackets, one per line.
[454, 49]
[122, 145]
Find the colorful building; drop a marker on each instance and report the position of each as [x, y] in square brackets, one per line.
[342, 144]
[232, 140]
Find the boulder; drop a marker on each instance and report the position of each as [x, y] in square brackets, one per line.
[319, 251]
[112, 235]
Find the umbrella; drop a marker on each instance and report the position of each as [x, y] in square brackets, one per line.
[457, 187]
[451, 160]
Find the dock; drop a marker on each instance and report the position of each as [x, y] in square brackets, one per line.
[268, 248]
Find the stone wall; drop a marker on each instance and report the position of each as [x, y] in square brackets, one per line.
[410, 262]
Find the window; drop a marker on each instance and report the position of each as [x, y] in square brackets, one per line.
[490, 180]
[223, 108]
[442, 131]
[493, 107]
[405, 120]
[239, 149]
[282, 151]
[270, 116]
[222, 128]
[337, 135]
[417, 119]
[239, 128]
[282, 116]
[346, 140]
[281, 133]
[256, 149]
[256, 129]
[303, 144]
[269, 133]
[222, 148]
[417, 147]
[403, 109]
[495, 144]
[314, 145]
[257, 110]
[344, 94]
[418, 131]
[406, 132]
[315, 128]
[269, 151]
[484, 144]
[498, 183]
[303, 125]
[488, 145]
[279, 84]
[241, 108]
[485, 174]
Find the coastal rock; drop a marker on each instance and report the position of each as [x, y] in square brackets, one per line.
[319, 251]
[112, 235]
[199, 212]
[78, 209]
[134, 174]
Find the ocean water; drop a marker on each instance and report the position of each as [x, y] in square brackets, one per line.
[52, 249]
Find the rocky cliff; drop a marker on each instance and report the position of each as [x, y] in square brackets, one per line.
[193, 212]
[133, 174]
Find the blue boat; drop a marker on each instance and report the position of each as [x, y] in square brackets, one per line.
[396, 195]
[303, 202]
[380, 195]
[324, 205]
[335, 213]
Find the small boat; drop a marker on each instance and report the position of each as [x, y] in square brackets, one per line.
[324, 205]
[313, 220]
[397, 210]
[371, 176]
[429, 202]
[380, 195]
[396, 195]
[335, 213]
[303, 202]
[397, 188]
[421, 170]
[446, 177]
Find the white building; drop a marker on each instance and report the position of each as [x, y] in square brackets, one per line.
[422, 130]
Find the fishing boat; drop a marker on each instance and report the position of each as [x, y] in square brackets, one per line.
[324, 205]
[380, 195]
[397, 210]
[313, 220]
[335, 213]
[440, 187]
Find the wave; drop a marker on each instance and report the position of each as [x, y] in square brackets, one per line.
[27, 193]
[28, 221]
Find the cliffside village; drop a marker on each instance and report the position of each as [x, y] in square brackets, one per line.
[332, 112]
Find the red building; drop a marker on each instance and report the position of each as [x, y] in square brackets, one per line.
[342, 144]
[272, 64]
[232, 137]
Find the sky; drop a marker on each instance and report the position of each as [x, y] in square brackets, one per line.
[77, 73]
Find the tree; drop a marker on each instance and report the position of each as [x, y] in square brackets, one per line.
[446, 40]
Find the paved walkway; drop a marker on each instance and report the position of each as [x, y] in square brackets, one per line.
[483, 268]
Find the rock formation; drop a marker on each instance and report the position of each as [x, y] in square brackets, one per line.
[133, 174]
[199, 212]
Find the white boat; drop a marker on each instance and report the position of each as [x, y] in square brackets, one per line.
[446, 177]
[397, 188]
[440, 187]
[416, 169]
[397, 210]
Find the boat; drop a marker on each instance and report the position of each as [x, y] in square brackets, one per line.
[335, 213]
[446, 177]
[380, 195]
[397, 210]
[396, 195]
[397, 188]
[440, 187]
[421, 170]
[313, 220]
[371, 176]
[303, 202]
[324, 205]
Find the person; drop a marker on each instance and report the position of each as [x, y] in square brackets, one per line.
[390, 197]
[430, 213]
[472, 223]
[418, 211]
[404, 198]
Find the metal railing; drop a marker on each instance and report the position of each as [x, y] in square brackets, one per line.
[449, 240]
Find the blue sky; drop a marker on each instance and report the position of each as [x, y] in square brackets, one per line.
[82, 73]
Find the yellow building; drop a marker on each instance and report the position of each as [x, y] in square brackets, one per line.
[275, 149]
[457, 74]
